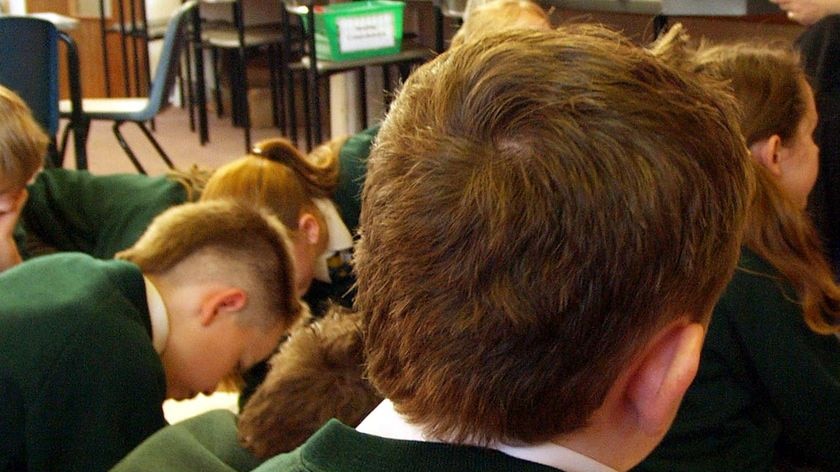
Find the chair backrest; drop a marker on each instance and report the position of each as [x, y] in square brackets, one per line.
[254, 12]
[159, 11]
[167, 68]
[29, 65]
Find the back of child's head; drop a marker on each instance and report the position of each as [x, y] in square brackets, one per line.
[318, 374]
[276, 176]
[223, 241]
[495, 15]
[536, 206]
[767, 81]
[22, 142]
[770, 88]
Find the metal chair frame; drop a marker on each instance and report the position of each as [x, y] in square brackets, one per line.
[140, 110]
[22, 33]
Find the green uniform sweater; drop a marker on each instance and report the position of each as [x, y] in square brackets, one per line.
[767, 385]
[99, 215]
[80, 382]
[352, 169]
[336, 447]
[205, 442]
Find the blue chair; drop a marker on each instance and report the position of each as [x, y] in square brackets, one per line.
[142, 109]
[29, 66]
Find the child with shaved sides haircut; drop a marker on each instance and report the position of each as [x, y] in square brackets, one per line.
[547, 221]
[91, 348]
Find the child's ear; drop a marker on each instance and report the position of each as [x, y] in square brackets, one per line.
[766, 152]
[309, 228]
[662, 377]
[222, 301]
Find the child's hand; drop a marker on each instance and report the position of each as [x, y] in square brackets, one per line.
[11, 204]
[808, 12]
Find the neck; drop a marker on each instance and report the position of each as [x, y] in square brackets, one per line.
[611, 440]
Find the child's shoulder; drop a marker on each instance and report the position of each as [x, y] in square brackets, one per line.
[68, 279]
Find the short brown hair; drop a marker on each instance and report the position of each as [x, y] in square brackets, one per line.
[22, 141]
[537, 204]
[316, 375]
[247, 245]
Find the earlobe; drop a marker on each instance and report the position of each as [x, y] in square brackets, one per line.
[664, 375]
[767, 153]
[222, 301]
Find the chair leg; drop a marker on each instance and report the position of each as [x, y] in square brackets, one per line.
[315, 105]
[187, 91]
[54, 158]
[291, 105]
[244, 106]
[126, 148]
[274, 88]
[363, 111]
[80, 132]
[198, 88]
[287, 80]
[217, 90]
[307, 112]
[62, 148]
[157, 146]
[241, 109]
[287, 94]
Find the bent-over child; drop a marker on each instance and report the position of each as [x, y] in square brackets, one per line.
[91, 348]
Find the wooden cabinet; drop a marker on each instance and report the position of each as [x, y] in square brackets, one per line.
[88, 38]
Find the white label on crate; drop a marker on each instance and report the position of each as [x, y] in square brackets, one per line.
[360, 33]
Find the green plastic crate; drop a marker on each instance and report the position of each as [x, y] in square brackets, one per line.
[356, 30]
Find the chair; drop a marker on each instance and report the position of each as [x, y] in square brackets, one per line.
[317, 68]
[452, 10]
[29, 66]
[146, 23]
[229, 26]
[140, 110]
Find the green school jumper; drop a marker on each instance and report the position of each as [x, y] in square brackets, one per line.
[767, 385]
[338, 448]
[80, 383]
[71, 210]
[351, 178]
[206, 442]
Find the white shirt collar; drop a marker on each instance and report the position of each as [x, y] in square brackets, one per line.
[384, 421]
[157, 315]
[340, 238]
